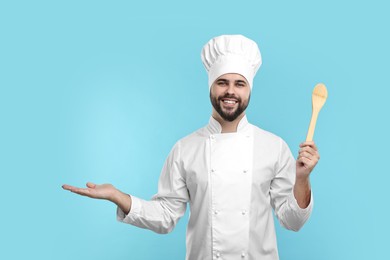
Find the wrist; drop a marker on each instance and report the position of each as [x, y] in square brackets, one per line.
[302, 180]
[116, 196]
[302, 192]
[122, 200]
[302, 184]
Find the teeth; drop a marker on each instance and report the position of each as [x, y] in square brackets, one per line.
[229, 101]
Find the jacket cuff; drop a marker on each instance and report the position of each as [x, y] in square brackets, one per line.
[134, 210]
[294, 204]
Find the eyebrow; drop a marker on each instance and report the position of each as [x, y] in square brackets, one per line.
[224, 80]
[241, 81]
[236, 81]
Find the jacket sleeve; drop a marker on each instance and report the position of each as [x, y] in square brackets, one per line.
[283, 201]
[163, 211]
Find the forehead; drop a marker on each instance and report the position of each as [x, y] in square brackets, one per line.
[232, 77]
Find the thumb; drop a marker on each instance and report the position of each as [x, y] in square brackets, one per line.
[91, 185]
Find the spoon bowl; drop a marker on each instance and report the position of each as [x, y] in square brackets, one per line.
[319, 96]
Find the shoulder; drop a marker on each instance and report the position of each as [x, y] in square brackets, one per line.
[265, 135]
[192, 140]
[194, 137]
[272, 146]
[269, 141]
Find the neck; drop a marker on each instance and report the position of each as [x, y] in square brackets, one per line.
[227, 126]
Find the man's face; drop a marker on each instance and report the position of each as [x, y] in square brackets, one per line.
[229, 95]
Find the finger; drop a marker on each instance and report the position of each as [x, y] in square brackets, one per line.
[309, 144]
[311, 149]
[81, 191]
[308, 149]
[313, 157]
[305, 162]
[91, 185]
[305, 155]
[68, 187]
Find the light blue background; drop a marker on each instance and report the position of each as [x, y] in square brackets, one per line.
[101, 90]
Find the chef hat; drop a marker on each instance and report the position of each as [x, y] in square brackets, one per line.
[231, 54]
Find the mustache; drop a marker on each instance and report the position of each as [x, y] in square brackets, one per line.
[227, 95]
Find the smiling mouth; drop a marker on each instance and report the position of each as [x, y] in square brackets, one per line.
[229, 101]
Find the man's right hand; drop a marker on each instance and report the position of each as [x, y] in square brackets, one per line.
[103, 191]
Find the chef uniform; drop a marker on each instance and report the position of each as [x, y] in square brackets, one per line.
[232, 181]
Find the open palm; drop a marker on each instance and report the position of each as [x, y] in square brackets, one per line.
[103, 191]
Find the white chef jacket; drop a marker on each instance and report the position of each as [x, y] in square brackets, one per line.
[232, 181]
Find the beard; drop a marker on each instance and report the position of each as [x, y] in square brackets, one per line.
[231, 114]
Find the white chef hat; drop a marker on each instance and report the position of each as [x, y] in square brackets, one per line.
[231, 54]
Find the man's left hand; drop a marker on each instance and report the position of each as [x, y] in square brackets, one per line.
[307, 159]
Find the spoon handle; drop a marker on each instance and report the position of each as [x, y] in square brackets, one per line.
[312, 126]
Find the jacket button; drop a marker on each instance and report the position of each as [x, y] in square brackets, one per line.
[243, 254]
[218, 254]
[215, 212]
[245, 171]
[243, 212]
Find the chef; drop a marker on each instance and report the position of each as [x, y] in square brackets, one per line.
[231, 173]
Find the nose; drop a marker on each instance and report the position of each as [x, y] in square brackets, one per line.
[230, 88]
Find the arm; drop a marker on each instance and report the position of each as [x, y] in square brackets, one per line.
[163, 211]
[104, 191]
[159, 214]
[307, 159]
[290, 191]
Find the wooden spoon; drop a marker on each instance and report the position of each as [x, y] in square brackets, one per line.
[318, 100]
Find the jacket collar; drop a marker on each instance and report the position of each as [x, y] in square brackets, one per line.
[215, 127]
